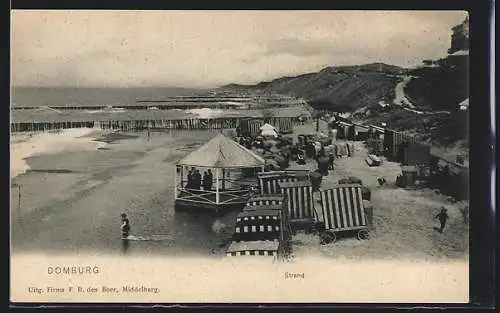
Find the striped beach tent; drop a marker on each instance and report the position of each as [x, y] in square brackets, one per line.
[250, 126]
[254, 127]
[284, 124]
[254, 248]
[343, 210]
[268, 181]
[300, 201]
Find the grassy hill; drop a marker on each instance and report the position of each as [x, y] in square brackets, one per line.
[434, 91]
[344, 88]
[440, 88]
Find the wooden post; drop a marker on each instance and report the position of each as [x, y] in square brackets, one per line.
[175, 182]
[216, 186]
[19, 198]
[223, 179]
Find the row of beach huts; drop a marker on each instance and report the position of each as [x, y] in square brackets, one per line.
[286, 200]
[285, 204]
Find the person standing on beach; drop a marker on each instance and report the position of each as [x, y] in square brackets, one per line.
[125, 228]
[190, 178]
[210, 179]
[465, 214]
[205, 181]
[197, 179]
[443, 217]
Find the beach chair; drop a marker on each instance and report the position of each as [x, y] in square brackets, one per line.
[266, 199]
[268, 181]
[409, 176]
[343, 211]
[300, 203]
[258, 225]
[255, 249]
[286, 235]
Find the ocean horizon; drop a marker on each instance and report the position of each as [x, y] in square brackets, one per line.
[44, 96]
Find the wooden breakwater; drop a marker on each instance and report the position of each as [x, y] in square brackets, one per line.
[137, 125]
[46, 126]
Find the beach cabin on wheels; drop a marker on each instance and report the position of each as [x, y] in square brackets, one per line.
[393, 144]
[227, 189]
[269, 181]
[299, 204]
[344, 212]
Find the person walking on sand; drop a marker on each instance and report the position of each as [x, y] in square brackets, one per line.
[443, 217]
[125, 228]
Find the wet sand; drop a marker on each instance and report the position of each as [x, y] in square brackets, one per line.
[79, 211]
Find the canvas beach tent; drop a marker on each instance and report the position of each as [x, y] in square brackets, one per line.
[267, 130]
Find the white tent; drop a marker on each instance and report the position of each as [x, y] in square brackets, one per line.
[267, 130]
[267, 126]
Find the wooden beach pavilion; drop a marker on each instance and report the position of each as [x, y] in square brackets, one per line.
[229, 189]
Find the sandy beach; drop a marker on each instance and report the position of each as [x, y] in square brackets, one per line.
[72, 197]
[25, 145]
[76, 186]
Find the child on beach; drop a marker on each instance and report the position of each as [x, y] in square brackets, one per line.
[125, 228]
[443, 217]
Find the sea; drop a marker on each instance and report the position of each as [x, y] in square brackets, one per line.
[44, 96]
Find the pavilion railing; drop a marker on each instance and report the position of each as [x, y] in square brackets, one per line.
[234, 196]
[210, 196]
[197, 195]
[229, 182]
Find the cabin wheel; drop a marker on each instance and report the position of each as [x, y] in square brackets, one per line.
[363, 234]
[328, 237]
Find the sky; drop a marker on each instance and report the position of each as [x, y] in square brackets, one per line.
[205, 49]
